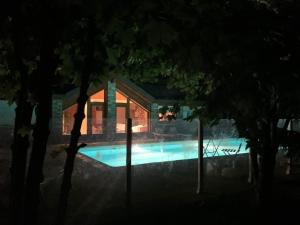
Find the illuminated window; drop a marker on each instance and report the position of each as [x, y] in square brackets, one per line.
[124, 107]
[121, 112]
[97, 97]
[121, 119]
[97, 119]
[138, 114]
[139, 117]
[68, 120]
[96, 108]
[120, 98]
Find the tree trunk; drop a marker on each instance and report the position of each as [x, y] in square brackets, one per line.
[254, 170]
[289, 169]
[266, 179]
[267, 166]
[23, 117]
[200, 187]
[41, 131]
[19, 158]
[75, 134]
[35, 174]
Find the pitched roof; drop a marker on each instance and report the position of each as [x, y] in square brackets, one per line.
[144, 93]
[162, 92]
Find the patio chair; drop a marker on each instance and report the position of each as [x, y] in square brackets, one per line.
[205, 151]
[213, 161]
[232, 152]
[212, 152]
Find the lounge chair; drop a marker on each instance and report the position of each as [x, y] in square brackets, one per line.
[232, 152]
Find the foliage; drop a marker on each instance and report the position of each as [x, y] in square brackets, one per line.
[225, 59]
[232, 59]
[9, 74]
[170, 112]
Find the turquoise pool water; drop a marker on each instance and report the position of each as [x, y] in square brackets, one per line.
[115, 155]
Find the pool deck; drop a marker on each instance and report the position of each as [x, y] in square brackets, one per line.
[163, 193]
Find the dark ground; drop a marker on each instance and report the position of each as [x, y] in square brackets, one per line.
[163, 193]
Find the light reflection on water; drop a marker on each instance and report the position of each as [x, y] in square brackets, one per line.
[115, 155]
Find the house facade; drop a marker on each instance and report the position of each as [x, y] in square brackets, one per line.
[107, 109]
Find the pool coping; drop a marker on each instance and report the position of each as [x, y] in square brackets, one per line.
[152, 163]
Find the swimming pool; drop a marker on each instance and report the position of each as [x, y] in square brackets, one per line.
[115, 155]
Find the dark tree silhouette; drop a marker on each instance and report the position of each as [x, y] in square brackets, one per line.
[73, 147]
[233, 59]
[22, 121]
[42, 92]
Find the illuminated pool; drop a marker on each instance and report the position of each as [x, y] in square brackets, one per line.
[115, 155]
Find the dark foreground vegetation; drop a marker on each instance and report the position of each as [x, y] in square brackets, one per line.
[231, 59]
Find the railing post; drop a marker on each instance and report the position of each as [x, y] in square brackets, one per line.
[128, 161]
[250, 172]
[200, 186]
[289, 169]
